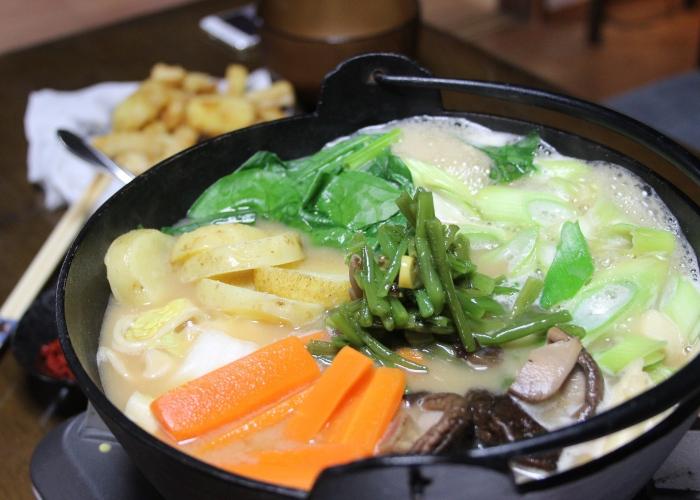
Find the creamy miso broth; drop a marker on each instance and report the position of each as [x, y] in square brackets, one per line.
[425, 266]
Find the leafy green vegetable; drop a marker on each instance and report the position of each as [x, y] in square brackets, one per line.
[513, 160]
[340, 202]
[571, 269]
[261, 185]
[348, 187]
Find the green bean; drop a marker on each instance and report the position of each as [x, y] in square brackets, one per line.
[460, 247]
[321, 348]
[399, 312]
[459, 267]
[417, 324]
[488, 304]
[436, 236]
[388, 356]
[368, 282]
[407, 206]
[368, 352]
[504, 290]
[425, 212]
[364, 315]
[572, 330]
[484, 283]
[338, 341]
[528, 295]
[470, 307]
[388, 323]
[344, 325]
[537, 323]
[443, 351]
[392, 271]
[425, 307]
[389, 236]
[451, 231]
[428, 274]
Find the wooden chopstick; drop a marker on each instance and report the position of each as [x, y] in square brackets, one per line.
[53, 250]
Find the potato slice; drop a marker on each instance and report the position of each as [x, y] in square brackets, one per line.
[262, 306]
[213, 236]
[138, 269]
[325, 289]
[272, 251]
[217, 114]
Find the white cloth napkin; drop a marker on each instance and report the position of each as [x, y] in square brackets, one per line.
[86, 112]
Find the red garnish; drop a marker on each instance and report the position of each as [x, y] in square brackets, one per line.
[53, 362]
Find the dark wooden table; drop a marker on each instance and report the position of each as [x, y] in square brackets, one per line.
[126, 51]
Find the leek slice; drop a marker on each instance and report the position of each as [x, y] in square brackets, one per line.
[629, 348]
[567, 168]
[683, 307]
[485, 236]
[631, 286]
[514, 258]
[441, 182]
[518, 206]
[602, 214]
[643, 240]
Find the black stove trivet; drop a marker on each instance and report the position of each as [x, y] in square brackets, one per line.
[82, 459]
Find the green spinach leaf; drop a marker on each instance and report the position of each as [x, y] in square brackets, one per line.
[512, 161]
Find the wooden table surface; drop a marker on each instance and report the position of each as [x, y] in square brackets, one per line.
[126, 51]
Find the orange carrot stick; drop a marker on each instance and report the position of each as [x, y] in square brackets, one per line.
[236, 389]
[263, 420]
[340, 418]
[298, 467]
[308, 337]
[375, 410]
[327, 393]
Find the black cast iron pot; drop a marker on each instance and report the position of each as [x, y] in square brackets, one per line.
[364, 91]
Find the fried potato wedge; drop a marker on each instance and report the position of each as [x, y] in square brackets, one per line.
[214, 115]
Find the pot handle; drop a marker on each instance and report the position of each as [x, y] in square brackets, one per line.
[436, 478]
[350, 93]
